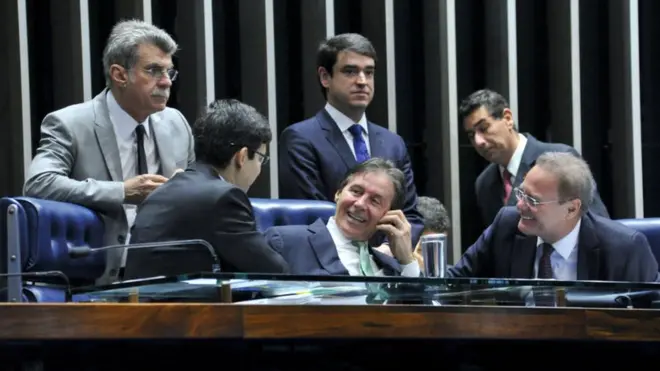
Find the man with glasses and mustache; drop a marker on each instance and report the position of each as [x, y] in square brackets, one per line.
[552, 234]
[110, 153]
[210, 201]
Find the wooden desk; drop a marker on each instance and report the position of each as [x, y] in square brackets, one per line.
[182, 321]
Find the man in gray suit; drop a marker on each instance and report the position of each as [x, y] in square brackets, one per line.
[110, 153]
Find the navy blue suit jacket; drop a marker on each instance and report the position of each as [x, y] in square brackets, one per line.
[607, 251]
[310, 250]
[314, 158]
[490, 189]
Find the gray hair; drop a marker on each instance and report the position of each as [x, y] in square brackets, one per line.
[434, 214]
[124, 40]
[376, 164]
[573, 175]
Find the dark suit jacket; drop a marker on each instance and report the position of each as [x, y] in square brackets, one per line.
[309, 249]
[490, 189]
[197, 204]
[314, 158]
[607, 251]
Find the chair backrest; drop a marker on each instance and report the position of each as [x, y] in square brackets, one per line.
[650, 227]
[273, 212]
[50, 227]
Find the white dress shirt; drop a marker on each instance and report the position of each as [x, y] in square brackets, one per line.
[514, 164]
[564, 257]
[349, 255]
[344, 123]
[124, 126]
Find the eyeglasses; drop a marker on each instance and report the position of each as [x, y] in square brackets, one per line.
[263, 158]
[158, 73]
[529, 200]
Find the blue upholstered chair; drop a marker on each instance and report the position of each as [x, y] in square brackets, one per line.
[651, 229]
[273, 212]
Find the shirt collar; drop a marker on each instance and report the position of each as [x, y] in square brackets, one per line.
[343, 121]
[123, 122]
[514, 164]
[565, 245]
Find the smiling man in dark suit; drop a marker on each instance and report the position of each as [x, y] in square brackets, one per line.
[316, 154]
[552, 234]
[488, 122]
[368, 200]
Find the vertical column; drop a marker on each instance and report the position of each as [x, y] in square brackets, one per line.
[441, 113]
[649, 34]
[16, 143]
[625, 116]
[563, 82]
[257, 78]
[317, 23]
[500, 49]
[390, 56]
[71, 52]
[194, 33]
[512, 56]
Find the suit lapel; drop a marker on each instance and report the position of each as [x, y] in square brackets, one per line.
[494, 186]
[386, 262]
[105, 135]
[588, 252]
[324, 249]
[336, 138]
[529, 156]
[376, 143]
[163, 142]
[522, 256]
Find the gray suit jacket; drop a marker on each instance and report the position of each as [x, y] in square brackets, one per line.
[78, 161]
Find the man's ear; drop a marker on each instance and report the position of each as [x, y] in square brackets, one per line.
[507, 116]
[119, 75]
[574, 209]
[241, 157]
[324, 77]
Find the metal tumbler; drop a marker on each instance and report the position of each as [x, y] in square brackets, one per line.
[434, 251]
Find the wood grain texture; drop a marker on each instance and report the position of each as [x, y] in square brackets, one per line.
[182, 321]
[119, 321]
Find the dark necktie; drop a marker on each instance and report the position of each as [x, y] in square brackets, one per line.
[361, 152]
[506, 180]
[141, 156]
[545, 296]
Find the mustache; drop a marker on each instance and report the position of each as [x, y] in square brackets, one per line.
[165, 93]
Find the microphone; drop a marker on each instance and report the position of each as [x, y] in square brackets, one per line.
[59, 274]
[166, 246]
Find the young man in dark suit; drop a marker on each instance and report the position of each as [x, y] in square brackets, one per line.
[552, 234]
[368, 200]
[488, 122]
[210, 202]
[316, 154]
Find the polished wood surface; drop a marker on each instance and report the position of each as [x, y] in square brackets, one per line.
[180, 321]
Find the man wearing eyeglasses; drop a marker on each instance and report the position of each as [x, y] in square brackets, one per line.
[552, 233]
[210, 202]
[110, 153]
[488, 123]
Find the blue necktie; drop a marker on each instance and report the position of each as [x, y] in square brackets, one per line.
[361, 152]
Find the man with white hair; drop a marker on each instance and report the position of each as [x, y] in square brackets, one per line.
[110, 153]
[552, 234]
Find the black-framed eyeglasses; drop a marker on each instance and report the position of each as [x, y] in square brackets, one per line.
[158, 73]
[263, 158]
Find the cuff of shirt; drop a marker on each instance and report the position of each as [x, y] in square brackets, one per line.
[410, 269]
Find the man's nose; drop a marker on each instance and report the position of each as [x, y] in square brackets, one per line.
[479, 140]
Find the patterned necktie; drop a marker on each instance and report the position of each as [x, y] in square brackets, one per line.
[360, 146]
[365, 258]
[140, 131]
[506, 181]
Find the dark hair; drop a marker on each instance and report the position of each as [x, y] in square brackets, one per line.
[494, 103]
[434, 214]
[227, 126]
[376, 164]
[326, 56]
